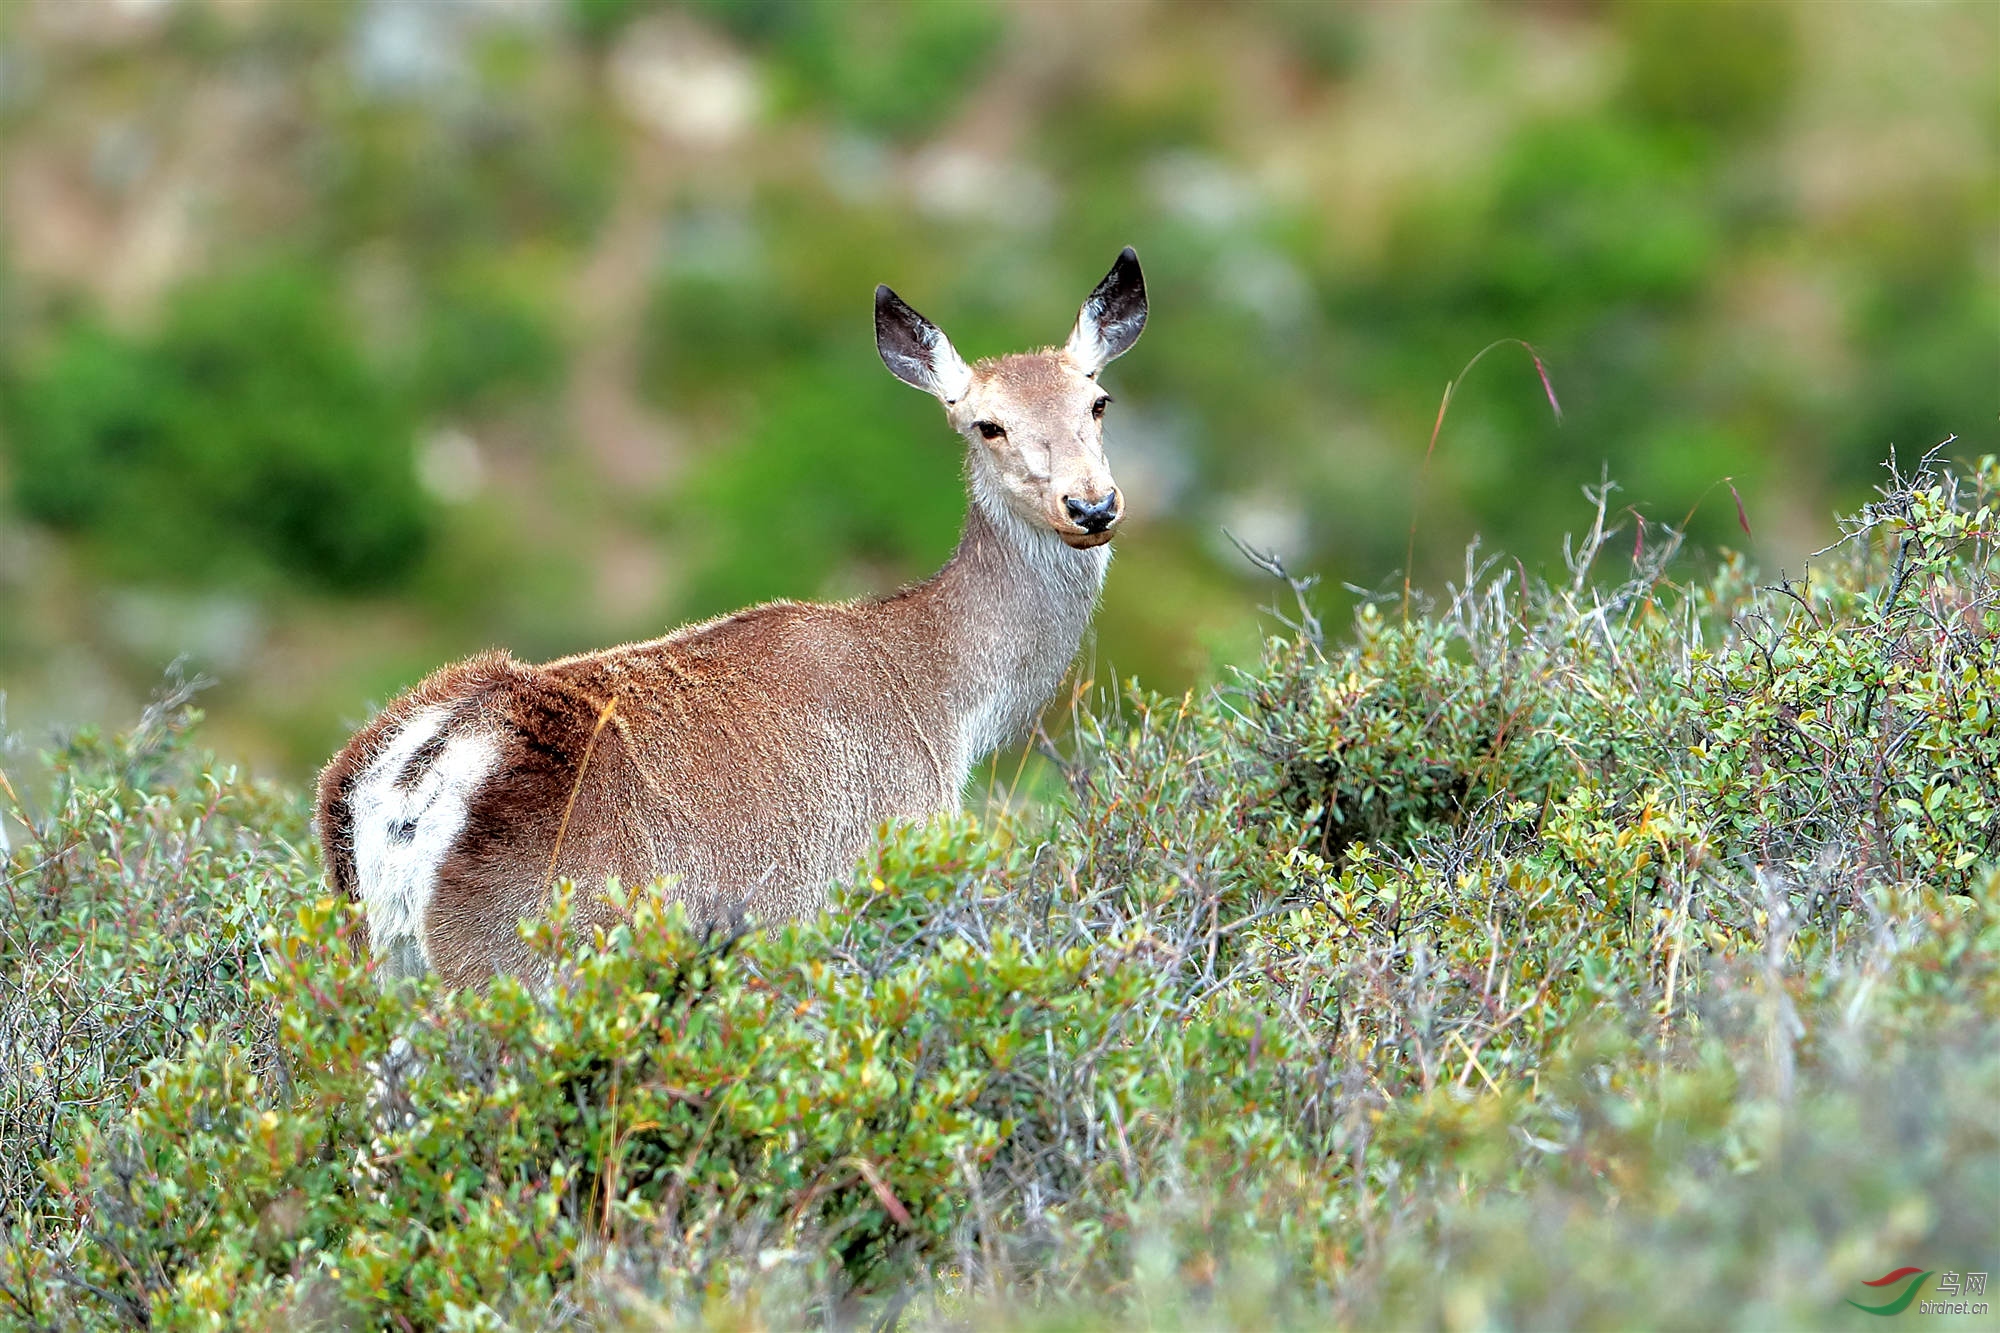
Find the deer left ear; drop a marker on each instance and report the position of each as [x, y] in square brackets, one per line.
[916, 350]
[1112, 319]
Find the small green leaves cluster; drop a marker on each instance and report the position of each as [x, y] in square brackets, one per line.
[136, 916]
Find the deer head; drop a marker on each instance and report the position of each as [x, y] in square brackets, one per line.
[1033, 422]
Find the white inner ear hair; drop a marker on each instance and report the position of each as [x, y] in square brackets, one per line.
[1086, 349]
[949, 374]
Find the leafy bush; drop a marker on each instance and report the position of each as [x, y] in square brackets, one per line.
[1843, 735]
[136, 917]
[817, 478]
[1726, 68]
[1381, 987]
[885, 67]
[484, 342]
[247, 429]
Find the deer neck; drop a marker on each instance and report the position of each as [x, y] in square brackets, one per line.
[1010, 608]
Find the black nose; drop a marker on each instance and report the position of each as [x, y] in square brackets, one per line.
[1093, 517]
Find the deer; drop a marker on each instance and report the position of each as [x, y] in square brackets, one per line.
[745, 764]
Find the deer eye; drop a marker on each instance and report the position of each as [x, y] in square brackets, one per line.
[1097, 408]
[989, 429]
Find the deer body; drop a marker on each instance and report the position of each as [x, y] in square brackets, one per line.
[751, 758]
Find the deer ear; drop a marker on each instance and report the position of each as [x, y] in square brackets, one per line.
[916, 350]
[1112, 319]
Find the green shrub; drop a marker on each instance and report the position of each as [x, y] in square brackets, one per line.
[136, 916]
[1842, 730]
[248, 431]
[1380, 988]
[484, 343]
[1726, 68]
[817, 477]
[886, 67]
[430, 1156]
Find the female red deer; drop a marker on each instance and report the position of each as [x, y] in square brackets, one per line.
[750, 758]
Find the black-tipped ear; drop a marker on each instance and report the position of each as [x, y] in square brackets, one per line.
[916, 350]
[1112, 319]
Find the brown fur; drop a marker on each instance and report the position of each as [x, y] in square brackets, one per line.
[749, 760]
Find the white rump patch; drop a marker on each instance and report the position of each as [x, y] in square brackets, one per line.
[403, 834]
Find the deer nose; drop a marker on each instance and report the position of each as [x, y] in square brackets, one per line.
[1093, 516]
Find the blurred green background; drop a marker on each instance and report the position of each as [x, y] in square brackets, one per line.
[341, 339]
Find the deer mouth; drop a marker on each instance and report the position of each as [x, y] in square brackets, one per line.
[1080, 540]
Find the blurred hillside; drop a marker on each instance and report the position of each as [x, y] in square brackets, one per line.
[343, 339]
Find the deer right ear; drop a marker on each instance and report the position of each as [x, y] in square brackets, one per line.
[916, 350]
[1112, 319]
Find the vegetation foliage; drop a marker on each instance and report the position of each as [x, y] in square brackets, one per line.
[409, 331]
[247, 435]
[1400, 981]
